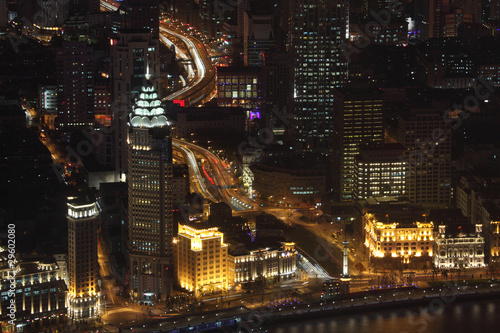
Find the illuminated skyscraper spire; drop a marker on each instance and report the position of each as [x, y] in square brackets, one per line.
[147, 111]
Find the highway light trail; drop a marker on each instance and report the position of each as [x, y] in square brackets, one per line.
[198, 63]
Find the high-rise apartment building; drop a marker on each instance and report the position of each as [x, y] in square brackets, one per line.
[357, 120]
[150, 198]
[83, 268]
[133, 54]
[426, 137]
[319, 29]
[75, 81]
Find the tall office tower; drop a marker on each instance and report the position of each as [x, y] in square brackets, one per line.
[75, 81]
[357, 121]
[435, 17]
[319, 27]
[150, 199]
[83, 268]
[426, 137]
[143, 14]
[133, 54]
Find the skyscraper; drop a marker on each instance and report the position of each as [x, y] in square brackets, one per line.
[357, 120]
[134, 53]
[75, 97]
[150, 198]
[426, 137]
[319, 27]
[83, 268]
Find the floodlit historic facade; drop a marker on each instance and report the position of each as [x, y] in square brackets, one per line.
[459, 246]
[202, 259]
[40, 290]
[397, 240]
[266, 262]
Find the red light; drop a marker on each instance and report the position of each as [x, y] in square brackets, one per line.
[179, 102]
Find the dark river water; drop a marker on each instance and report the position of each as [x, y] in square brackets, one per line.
[477, 316]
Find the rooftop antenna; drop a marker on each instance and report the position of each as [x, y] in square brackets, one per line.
[148, 76]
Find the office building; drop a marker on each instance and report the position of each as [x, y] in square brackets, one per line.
[426, 137]
[357, 121]
[202, 259]
[133, 54]
[47, 97]
[149, 199]
[319, 33]
[380, 171]
[239, 87]
[75, 82]
[83, 268]
[180, 184]
[102, 102]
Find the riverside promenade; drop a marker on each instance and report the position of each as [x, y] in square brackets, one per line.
[242, 319]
